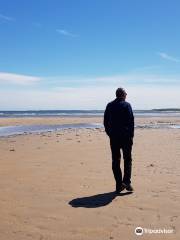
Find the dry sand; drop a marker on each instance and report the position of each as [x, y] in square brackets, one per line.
[59, 185]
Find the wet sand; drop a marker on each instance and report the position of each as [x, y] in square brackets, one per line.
[59, 185]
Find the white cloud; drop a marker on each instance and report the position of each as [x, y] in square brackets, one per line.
[152, 96]
[142, 97]
[17, 78]
[168, 57]
[100, 81]
[145, 91]
[129, 78]
[65, 33]
[6, 18]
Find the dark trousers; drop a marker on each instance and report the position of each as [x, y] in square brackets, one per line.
[126, 147]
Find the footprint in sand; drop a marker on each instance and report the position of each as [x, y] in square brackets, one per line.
[158, 217]
[43, 135]
[155, 195]
[173, 183]
[173, 218]
[12, 150]
[85, 186]
[150, 165]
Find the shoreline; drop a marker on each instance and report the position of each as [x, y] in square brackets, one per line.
[6, 121]
[13, 126]
[7, 131]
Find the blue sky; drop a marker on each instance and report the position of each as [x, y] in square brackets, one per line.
[74, 54]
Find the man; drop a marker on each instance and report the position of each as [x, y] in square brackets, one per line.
[119, 126]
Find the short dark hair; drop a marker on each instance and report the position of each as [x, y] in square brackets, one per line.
[120, 93]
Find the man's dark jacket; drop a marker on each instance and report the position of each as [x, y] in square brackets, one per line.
[119, 120]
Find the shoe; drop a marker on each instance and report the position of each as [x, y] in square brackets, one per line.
[120, 189]
[128, 187]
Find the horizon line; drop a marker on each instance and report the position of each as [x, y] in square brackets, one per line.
[90, 110]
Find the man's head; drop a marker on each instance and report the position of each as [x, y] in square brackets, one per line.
[121, 93]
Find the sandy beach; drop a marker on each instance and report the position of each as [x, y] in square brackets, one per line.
[59, 185]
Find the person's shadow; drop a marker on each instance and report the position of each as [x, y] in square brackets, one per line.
[95, 201]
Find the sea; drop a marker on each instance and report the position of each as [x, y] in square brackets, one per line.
[83, 113]
[6, 131]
